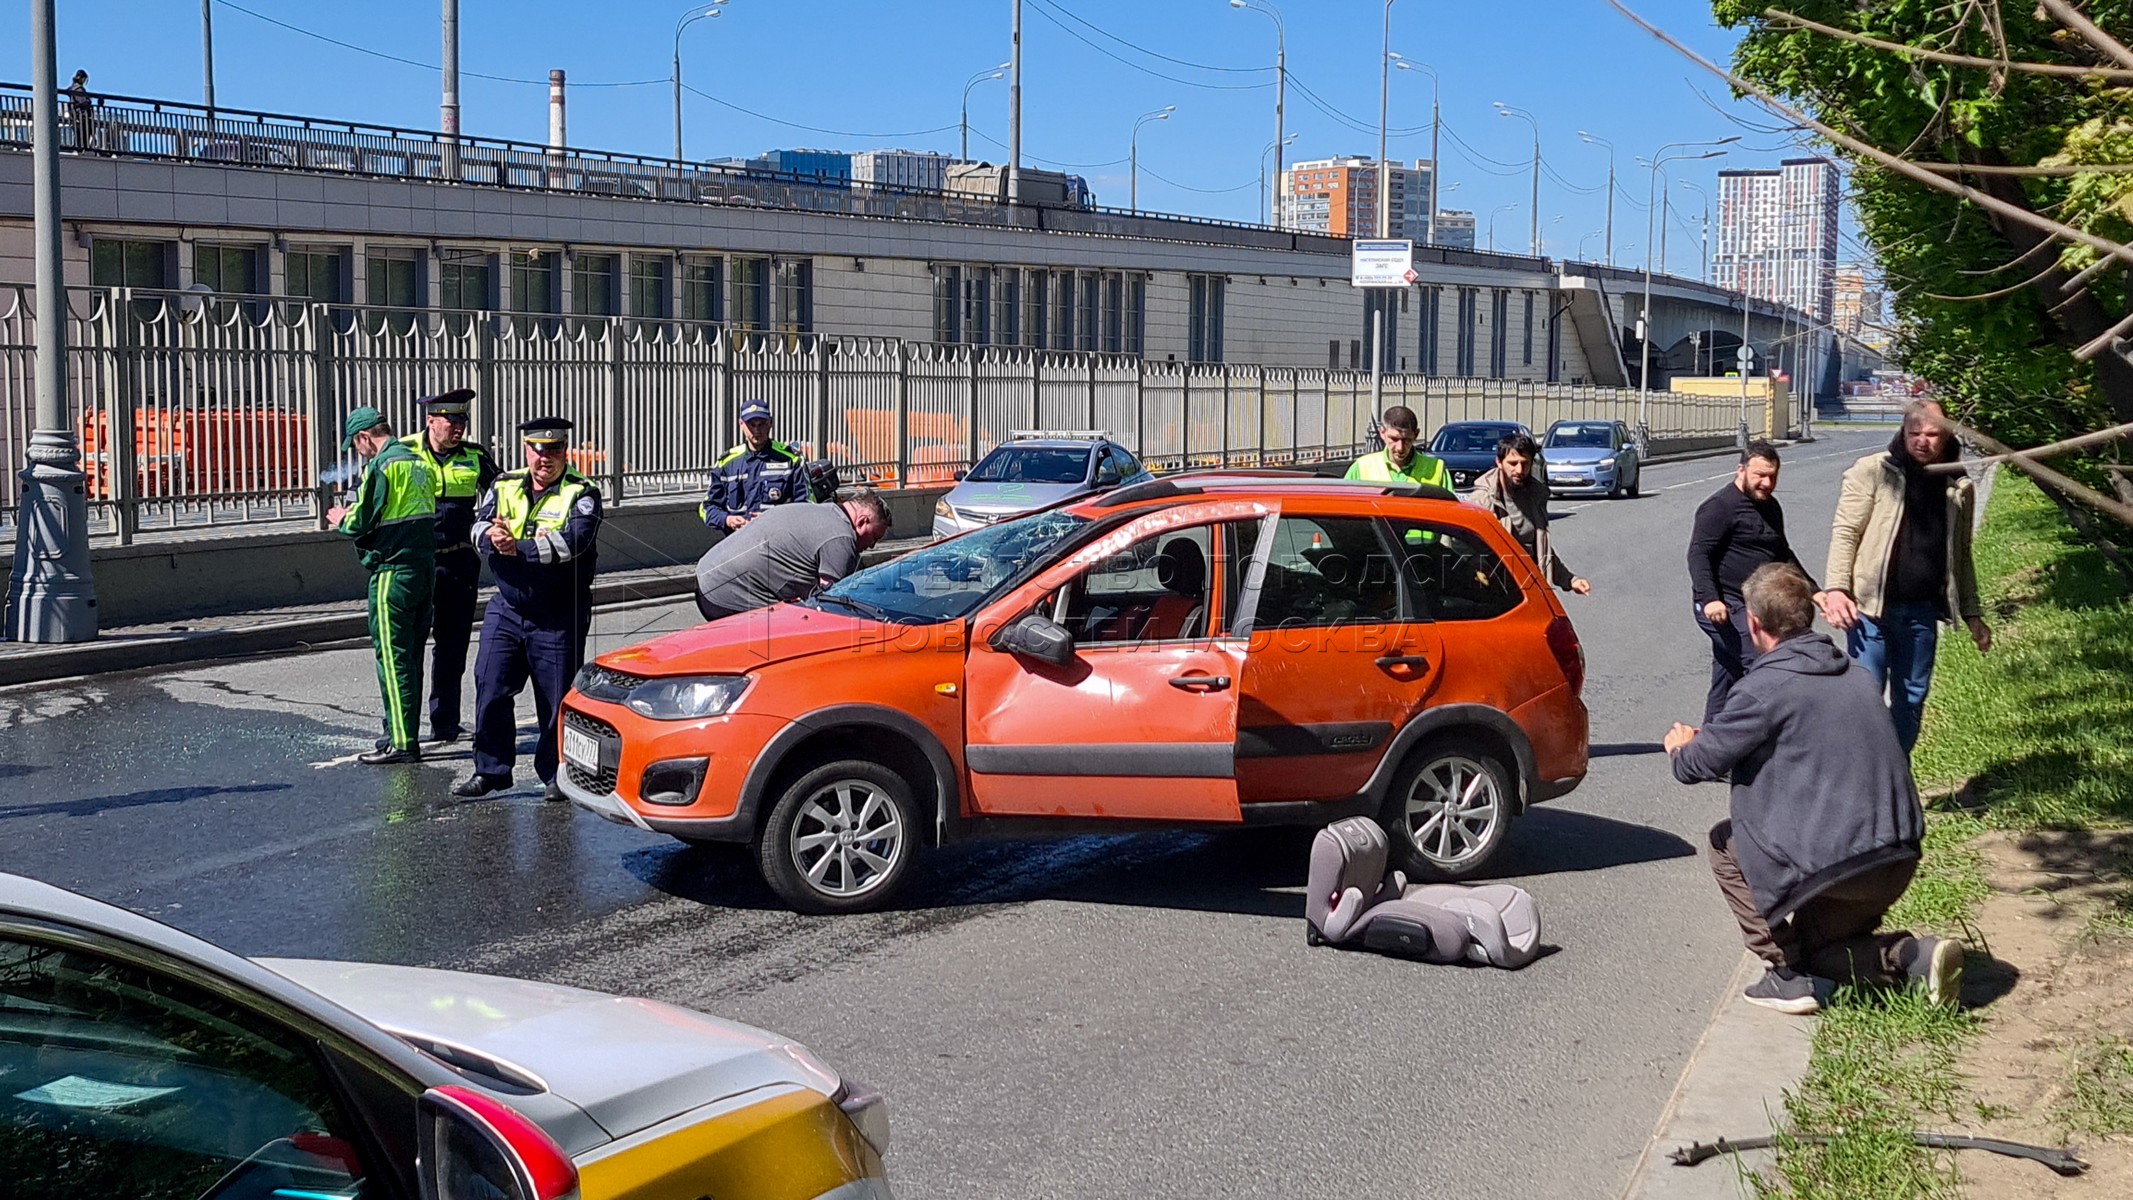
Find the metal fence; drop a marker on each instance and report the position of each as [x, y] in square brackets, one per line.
[200, 412]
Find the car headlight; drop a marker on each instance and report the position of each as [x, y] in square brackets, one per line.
[1605, 463]
[686, 697]
[941, 509]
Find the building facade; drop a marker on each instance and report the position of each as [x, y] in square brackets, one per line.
[1339, 196]
[1777, 234]
[808, 164]
[1455, 228]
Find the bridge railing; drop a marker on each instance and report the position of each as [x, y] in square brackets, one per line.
[210, 413]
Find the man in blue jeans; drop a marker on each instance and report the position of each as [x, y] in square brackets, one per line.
[1900, 562]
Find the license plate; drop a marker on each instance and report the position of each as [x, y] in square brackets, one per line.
[581, 749]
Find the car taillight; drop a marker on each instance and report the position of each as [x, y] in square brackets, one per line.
[1569, 655]
[474, 1145]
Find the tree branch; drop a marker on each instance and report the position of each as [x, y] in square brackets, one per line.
[1942, 56]
[2073, 19]
[2115, 433]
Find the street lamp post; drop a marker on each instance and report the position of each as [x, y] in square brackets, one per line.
[999, 72]
[687, 19]
[1271, 147]
[1584, 239]
[1384, 168]
[51, 596]
[1506, 110]
[1704, 236]
[1281, 89]
[1492, 223]
[1133, 154]
[207, 54]
[1435, 124]
[1596, 140]
[1644, 318]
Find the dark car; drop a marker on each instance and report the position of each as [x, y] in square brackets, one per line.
[1467, 448]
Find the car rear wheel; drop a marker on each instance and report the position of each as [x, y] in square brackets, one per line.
[1450, 811]
[840, 839]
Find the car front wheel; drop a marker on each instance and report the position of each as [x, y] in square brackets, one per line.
[1450, 812]
[1636, 481]
[840, 839]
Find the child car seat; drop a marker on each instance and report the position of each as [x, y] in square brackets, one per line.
[1351, 900]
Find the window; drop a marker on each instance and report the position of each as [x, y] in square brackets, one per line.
[703, 289]
[794, 296]
[1383, 301]
[1327, 571]
[592, 285]
[1452, 575]
[1528, 358]
[1157, 589]
[947, 304]
[1063, 312]
[533, 282]
[977, 305]
[1091, 304]
[1469, 306]
[749, 307]
[1204, 318]
[390, 279]
[1333, 354]
[118, 263]
[649, 294]
[1499, 332]
[466, 281]
[1428, 310]
[1039, 309]
[226, 268]
[1007, 296]
[123, 1082]
[1137, 315]
[314, 274]
[1114, 314]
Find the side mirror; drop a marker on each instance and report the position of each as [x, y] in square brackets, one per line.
[1037, 637]
[960, 472]
[472, 1144]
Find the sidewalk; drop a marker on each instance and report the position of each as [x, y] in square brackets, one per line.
[304, 627]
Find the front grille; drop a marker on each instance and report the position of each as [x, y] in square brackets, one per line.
[596, 682]
[603, 782]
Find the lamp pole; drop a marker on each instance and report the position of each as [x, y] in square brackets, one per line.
[448, 71]
[1281, 89]
[1435, 124]
[999, 72]
[1492, 223]
[1384, 92]
[207, 54]
[1133, 154]
[51, 597]
[1644, 318]
[1581, 243]
[692, 16]
[1506, 110]
[1270, 148]
[1596, 140]
[1703, 237]
[1014, 114]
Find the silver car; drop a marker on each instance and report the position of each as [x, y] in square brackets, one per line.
[137, 1060]
[1592, 458]
[1034, 469]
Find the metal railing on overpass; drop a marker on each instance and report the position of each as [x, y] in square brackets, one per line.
[201, 413]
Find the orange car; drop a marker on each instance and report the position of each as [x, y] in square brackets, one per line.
[1213, 650]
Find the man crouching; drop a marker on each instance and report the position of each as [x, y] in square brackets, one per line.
[1825, 823]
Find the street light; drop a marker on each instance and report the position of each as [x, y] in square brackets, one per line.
[1492, 222]
[1133, 153]
[1271, 147]
[1596, 140]
[1506, 110]
[1586, 238]
[1644, 319]
[1384, 171]
[1281, 89]
[687, 19]
[1435, 123]
[1705, 237]
[999, 72]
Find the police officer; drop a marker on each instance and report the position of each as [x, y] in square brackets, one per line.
[1400, 461]
[540, 530]
[752, 476]
[463, 472]
[393, 520]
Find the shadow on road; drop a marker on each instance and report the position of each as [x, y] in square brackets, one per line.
[1620, 749]
[92, 805]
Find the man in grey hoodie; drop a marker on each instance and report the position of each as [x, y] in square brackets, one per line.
[1825, 825]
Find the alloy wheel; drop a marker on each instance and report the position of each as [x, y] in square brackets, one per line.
[847, 838]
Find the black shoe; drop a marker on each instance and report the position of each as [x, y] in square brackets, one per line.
[479, 784]
[381, 743]
[443, 737]
[1786, 991]
[554, 791]
[390, 756]
[1935, 965]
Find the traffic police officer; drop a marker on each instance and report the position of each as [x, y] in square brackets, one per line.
[1400, 461]
[540, 530]
[752, 476]
[463, 472]
[392, 519]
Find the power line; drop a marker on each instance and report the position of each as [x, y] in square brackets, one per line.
[333, 41]
[814, 128]
[1063, 27]
[1249, 183]
[1062, 10]
[1053, 162]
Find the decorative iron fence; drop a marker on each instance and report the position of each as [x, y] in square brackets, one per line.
[200, 412]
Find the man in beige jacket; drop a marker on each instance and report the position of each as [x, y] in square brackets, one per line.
[1900, 563]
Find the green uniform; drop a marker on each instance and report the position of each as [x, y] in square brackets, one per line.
[393, 521]
[1422, 469]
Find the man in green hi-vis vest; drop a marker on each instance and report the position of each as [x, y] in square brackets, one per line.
[393, 521]
[1400, 461]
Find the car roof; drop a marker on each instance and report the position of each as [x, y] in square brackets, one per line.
[1082, 443]
[1483, 425]
[1248, 482]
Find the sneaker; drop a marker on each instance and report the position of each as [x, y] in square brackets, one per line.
[1786, 991]
[390, 756]
[1936, 966]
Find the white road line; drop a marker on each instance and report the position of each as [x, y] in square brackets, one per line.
[1715, 478]
[342, 761]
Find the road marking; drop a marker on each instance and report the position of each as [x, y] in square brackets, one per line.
[342, 761]
[1713, 478]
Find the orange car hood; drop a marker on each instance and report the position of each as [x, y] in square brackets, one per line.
[748, 641]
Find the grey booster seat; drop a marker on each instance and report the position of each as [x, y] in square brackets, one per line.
[1354, 902]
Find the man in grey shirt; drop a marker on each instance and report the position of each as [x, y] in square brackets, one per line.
[788, 553]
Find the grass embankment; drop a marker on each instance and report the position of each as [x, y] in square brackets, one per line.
[2038, 734]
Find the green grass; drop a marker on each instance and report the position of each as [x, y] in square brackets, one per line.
[2037, 734]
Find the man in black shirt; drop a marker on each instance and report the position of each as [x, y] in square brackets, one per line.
[1738, 529]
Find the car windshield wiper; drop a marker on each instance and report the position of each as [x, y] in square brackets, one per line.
[863, 608]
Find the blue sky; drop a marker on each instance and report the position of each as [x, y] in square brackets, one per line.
[890, 74]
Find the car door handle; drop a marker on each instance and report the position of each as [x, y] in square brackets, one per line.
[1213, 683]
[1404, 660]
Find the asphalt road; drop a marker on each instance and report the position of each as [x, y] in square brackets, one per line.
[1096, 1017]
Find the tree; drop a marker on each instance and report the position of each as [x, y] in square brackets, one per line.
[1990, 310]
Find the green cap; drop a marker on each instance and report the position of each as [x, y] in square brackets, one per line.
[359, 421]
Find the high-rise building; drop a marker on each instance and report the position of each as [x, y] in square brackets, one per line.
[918, 170]
[1340, 196]
[1777, 234]
[1455, 228]
[1859, 307]
[811, 164]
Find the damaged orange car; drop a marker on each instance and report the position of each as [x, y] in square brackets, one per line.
[1211, 650]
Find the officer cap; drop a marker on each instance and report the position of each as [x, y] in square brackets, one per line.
[545, 431]
[448, 404]
[755, 410]
[361, 420]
